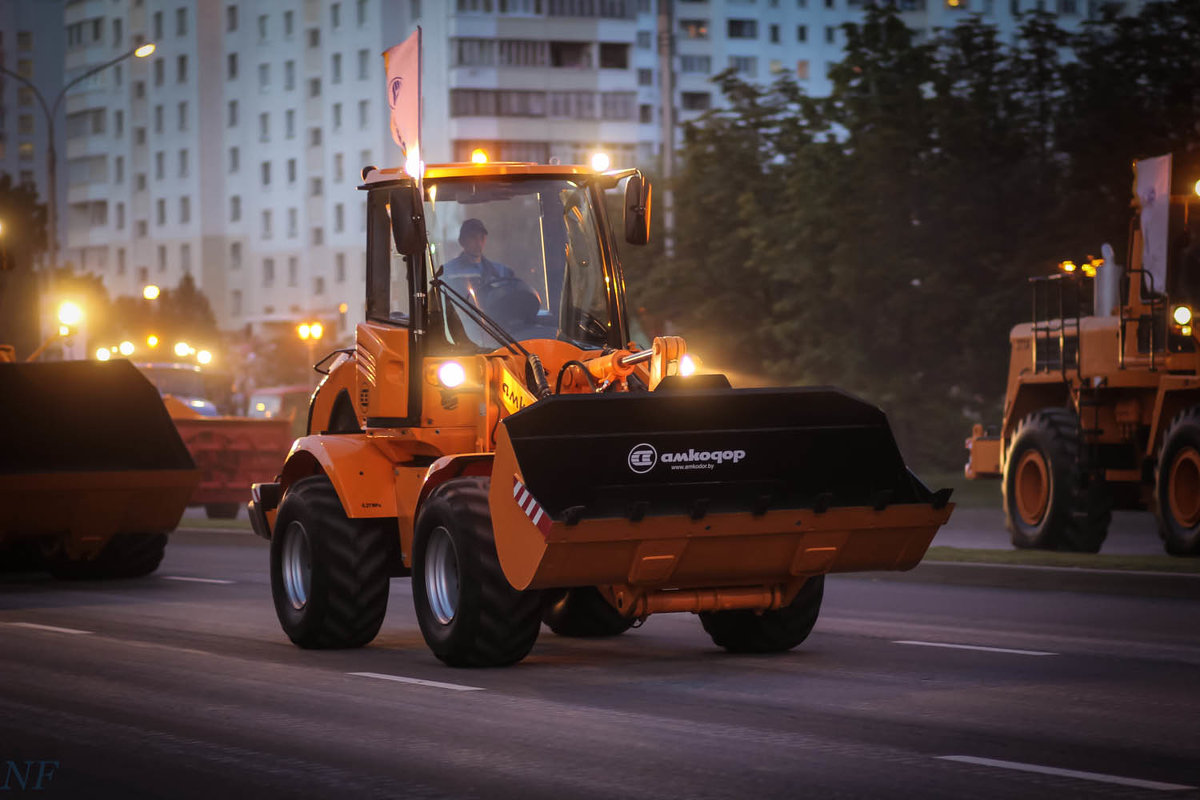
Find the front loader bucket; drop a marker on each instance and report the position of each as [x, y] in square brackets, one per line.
[87, 450]
[708, 488]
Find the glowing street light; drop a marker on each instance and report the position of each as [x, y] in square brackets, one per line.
[145, 50]
[102, 354]
[204, 357]
[182, 349]
[150, 292]
[152, 340]
[126, 348]
[70, 314]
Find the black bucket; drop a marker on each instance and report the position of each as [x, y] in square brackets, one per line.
[709, 451]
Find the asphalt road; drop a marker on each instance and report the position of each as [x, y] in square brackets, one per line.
[1130, 533]
[182, 685]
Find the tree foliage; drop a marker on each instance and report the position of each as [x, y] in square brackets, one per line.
[879, 238]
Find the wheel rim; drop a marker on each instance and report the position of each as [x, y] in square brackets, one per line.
[1184, 488]
[297, 565]
[441, 575]
[1032, 487]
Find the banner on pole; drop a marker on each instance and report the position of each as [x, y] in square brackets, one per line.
[403, 65]
[1152, 183]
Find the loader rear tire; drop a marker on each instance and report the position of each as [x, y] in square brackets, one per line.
[330, 575]
[1177, 485]
[470, 615]
[770, 631]
[584, 613]
[1048, 502]
[127, 555]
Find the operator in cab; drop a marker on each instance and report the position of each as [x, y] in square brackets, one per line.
[492, 286]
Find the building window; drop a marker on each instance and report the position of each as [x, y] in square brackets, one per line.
[183, 116]
[318, 237]
[233, 113]
[262, 27]
[120, 216]
[289, 124]
[264, 127]
[266, 173]
[339, 218]
[293, 223]
[181, 22]
[234, 160]
[158, 28]
[231, 66]
[802, 69]
[235, 255]
[646, 77]
[293, 271]
[119, 169]
[185, 209]
[185, 257]
[314, 137]
[695, 101]
[318, 285]
[160, 72]
[235, 208]
[364, 57]
[289, 75]
[314, 187]
[338, 162]
[268, 272]
[314, 87]
[695, 64]
[288, 20]
[118, 123]
[744, 65]
[774, 34]
[339, 268]
[159, 161]
[181, 69]
[314, 37]
[235, 302]
[644, 40]
[360, 12]
[741, 28]
[266, 224]
[264, 77]
[162, 258]
[183, 163]
[694, 28]
[160, 212]
[614, 56]
[801, 33]
[364, 112]
[158, 119]
[830, 34]
[231, 13]
[336, 68]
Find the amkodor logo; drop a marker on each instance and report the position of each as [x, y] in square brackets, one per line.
[642, 458]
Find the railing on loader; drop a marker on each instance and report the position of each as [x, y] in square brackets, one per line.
[1058, 303]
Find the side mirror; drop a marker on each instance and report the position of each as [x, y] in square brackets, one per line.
[637, 209]
[408, 219]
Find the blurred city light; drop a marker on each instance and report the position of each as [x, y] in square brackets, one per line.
[126, 348]
[145, 50]
[601, 162]
[70, 314]
[182, 349]
[102, 354]
[150, 292]
[204, 357]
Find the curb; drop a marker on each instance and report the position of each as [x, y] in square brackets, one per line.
[1180, 586]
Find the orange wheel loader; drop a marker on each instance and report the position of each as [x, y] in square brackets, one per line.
[1102, 408]
[93, 474]
[495, 434]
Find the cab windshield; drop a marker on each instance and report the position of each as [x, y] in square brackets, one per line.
[525, 252]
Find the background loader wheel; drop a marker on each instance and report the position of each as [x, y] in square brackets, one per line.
[1177, 485]
[583, 612]
[470, 615]
[222, 510]
[1048, 503]
[771, 631]
[127, 555]
[329, 574]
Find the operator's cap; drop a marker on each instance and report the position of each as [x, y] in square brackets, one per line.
[471, 226]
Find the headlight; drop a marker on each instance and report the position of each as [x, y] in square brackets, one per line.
[451, 374]
[1182, 315]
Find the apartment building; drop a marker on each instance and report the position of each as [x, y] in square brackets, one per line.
[233, 153]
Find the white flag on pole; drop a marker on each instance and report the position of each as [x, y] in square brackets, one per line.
[403, 64]
[1153, 187]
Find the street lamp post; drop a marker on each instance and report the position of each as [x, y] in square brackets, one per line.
[142, 51]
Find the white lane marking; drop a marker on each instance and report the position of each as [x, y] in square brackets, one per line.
[194, 580]
[1068, 773]
[457, 687]
[977, 647]
[51, 628]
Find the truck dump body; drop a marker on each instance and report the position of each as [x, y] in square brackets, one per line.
[88, 451]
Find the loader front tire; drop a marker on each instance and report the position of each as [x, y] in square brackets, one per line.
[1048, 502]
[1177, 485]
[329, 574]
[127, 555]
[584, 613]
[775, 631]
[470, 615]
